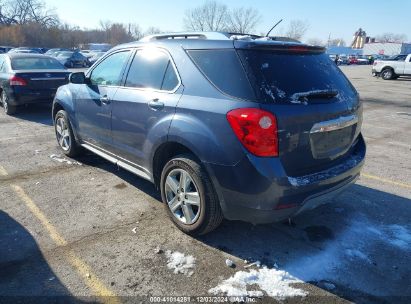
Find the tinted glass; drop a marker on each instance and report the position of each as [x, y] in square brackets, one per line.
[35, 63]
[170, 79]
[148, 70]
[110, 70]
[279, 76]
[224, 70]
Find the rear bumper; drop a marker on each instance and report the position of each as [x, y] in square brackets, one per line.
[257, 190]
[22, 97]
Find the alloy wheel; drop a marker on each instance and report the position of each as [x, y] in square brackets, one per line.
[182, 196]
[63, 134]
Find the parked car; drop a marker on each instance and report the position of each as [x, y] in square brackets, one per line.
[393, 67]
[343, 60]
[29, 78]
[215, 126]
[72, 59]
[53, 52]
[96, 56]
[5, 49]
[26, 50]
[87, 53]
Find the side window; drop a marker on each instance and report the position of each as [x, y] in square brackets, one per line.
[110, 70]
[152, 69]
[1, 64]
[401, 58]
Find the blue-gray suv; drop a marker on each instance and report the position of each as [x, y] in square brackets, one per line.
[237, 127]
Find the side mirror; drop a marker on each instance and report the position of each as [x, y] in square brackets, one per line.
[78, 78]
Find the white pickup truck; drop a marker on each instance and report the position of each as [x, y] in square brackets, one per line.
[393, 67]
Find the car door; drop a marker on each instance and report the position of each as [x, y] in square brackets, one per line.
[94, 99]
[151, 92]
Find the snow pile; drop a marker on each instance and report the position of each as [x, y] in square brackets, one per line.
[60, 159]
[272, 282]
[180, 263]
[356, 246]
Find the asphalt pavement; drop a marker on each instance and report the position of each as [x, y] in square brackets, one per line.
[85, 230]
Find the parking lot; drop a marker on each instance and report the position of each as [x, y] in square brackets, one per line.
[85, 229]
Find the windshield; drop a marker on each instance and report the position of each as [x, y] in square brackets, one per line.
[282, 77]
[36, 63]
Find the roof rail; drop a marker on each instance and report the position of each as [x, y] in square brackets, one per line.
[187, 35]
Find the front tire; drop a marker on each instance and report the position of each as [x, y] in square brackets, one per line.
[189, 196]
[7, 107]
[65, 136]
[387, 74]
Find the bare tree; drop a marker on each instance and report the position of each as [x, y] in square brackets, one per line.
[337, 42]
[25, 12]
[211, 16]
[296, 29]
[152, 31]
[315, 41]
[243, 20]
[391, 37]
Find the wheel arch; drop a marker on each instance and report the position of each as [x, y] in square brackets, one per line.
[164, 153]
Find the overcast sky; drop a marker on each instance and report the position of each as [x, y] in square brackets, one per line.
[325, 17]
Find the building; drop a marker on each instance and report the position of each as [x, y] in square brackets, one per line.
[343, 50]
[388, 49]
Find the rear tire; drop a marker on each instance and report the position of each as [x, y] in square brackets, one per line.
[387, 74]
[65, 136]
[8, 109]
[196, 209]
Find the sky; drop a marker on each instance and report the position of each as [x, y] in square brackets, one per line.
[338, 19]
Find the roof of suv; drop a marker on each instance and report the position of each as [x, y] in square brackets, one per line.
[211, 40]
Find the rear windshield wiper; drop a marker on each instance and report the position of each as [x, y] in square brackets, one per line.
[319, 94]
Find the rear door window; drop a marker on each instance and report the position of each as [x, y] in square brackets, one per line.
[224, 70]
[110, 71]
[152, 69]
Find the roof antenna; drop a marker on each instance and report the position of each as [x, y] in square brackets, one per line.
[273, 27]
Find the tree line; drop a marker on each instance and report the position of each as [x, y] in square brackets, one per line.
[31, 23]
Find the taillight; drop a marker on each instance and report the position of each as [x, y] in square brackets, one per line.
[256, 129]
[17, 81]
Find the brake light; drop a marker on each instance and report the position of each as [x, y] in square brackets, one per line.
[256, 129]
[17, 81]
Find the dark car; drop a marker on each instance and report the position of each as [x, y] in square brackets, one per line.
[29, 78]
[72, 59]
[5, 49]
[246, 129]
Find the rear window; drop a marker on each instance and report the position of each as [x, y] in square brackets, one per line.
[281, 77]
[36, 63]
[224, 70]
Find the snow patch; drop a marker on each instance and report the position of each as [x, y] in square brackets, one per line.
[272, 282]
[60, 159]
[180, 263]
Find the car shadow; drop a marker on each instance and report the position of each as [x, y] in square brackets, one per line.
[93, 160]
[39, 113]
[25, 275]
[357, 247]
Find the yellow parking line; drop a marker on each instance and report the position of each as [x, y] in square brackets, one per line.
[369, 176]
[81, 267]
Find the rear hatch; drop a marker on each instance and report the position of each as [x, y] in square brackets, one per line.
[318, 111]
[43, 80]
[42, 74]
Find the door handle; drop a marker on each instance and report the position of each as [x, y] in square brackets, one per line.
[156, 104]
[105, 99]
